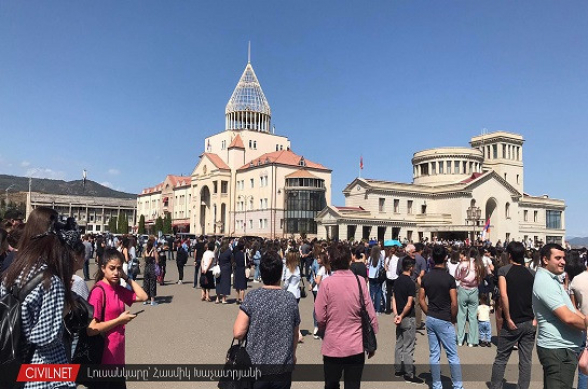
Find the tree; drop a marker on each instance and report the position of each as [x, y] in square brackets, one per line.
[167, 224]
[123, 224]
[112, 225]
[141, 229]
[158, 225]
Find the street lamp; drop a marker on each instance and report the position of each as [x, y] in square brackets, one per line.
[245, 198]
[473, 215]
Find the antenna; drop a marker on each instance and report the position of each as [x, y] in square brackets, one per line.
[249, 53]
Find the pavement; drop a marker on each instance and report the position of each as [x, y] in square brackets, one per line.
[182, 329]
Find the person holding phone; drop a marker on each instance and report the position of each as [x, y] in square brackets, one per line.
[110, 317]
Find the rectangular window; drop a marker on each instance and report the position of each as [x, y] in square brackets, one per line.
[448, 167]
[250, 224]
[526, 215]
[260, 223]
[223, 144]
[456, 167]
[250, 144]
[553, 219]
[382, 201]
[441, 163]
[215, 186]
[433, 167]
[254, 145]
[224, 187]
[535, 214]
[494, 151]
[504, 151]
[409, 206]
[252, 182]
[396, 206]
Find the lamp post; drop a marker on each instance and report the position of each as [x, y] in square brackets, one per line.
[473, 215]
[245, 198]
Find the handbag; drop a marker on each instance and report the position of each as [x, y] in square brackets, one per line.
[157, 270]
[583, 361]
[247, 272]
[203, 280]
[216, 271]
[237, 359]
[370, 343]
[381, 274]
[90, 349]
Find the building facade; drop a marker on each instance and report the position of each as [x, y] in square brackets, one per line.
[454, 192]
[92, 213]
[248, 181]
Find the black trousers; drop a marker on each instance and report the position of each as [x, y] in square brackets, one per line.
[278, 381]
[351, 367]
[180, 270]
[389, 290]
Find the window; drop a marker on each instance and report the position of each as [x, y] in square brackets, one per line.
[381, 202]
[409, 235]
[433, 167]
[396, 206]
[251, 203]
[507, 211]
[260, 223]
[224, 187]
[424, 209]
[254, 145]
[494, 151]
[409, 206]
[250, 224]
[518, 179]
[553, 219]
[507, 240]
[526, 215]
[251, 182]
[518, 154]
[97, 227]
[448, 167]
[465, 167]
[250, 144]
[215, 186]
[223, 145]
[504, 176]
[424, 169]
[535, 213]
[441, 163]
[504, 151]
[456, 165]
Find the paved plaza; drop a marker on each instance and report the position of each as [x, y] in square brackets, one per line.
[182, 329]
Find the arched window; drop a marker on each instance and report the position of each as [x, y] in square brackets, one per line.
[507, 210]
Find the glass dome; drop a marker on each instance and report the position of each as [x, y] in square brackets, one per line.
[248, 108]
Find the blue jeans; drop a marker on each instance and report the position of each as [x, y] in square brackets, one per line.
[256, 262]
[485, 331]
[442, 333]
[376, 294]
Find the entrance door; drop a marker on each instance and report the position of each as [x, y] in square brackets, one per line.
[381, 233]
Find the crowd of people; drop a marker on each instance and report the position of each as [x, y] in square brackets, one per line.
[537, 297]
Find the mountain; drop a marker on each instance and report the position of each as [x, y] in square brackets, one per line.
[44, 185]
[578, 242]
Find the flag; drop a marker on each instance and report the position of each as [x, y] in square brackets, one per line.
[486, 229]
[361, 162]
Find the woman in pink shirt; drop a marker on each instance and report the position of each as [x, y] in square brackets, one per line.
[337, 309]
[110, 317]
[469, 274]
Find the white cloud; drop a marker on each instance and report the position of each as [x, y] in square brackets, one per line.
[37, 172]
[25, 164]
[114, 172]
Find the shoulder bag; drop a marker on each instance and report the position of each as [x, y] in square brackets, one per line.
[90, 349]
[237, 359]
[369, 336]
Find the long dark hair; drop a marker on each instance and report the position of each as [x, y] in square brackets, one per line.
[39, 221]
[109, 255]
[375, 255]
[46, 249]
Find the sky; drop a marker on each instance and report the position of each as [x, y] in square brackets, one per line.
[129, 90]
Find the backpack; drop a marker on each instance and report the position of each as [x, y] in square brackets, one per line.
[13, 345]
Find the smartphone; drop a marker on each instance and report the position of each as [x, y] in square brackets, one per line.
[138, 312]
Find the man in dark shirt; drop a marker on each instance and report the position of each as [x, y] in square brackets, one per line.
[438, 286]
[515, 282]
[403, 306]
[420, 267]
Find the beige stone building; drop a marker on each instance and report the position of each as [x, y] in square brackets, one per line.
[454, 192]
[248, 180]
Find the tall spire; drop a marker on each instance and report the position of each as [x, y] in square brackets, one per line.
[248, 109]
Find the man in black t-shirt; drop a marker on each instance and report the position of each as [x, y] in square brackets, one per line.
[515, 282]
[438, 286]
[403, 306]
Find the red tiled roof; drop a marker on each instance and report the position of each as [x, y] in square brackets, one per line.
[283, 157]
[237, 143]
[301, 173]
[217, 161]
[473, 177]
[179, 181]
[153, 189]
